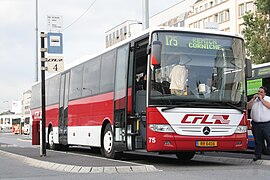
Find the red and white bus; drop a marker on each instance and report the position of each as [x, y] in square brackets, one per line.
[98, 103]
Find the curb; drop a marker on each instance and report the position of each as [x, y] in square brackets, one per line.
[80, 169]
[231, 160]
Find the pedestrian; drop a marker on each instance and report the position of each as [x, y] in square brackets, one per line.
[260, 114]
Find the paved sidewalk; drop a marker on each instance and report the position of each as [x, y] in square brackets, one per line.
[67, 161]
[71, 162]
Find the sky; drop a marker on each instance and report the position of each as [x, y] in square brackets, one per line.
[85, 37]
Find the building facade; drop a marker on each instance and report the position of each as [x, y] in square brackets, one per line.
[227, 14]
[122, 31]
[173, 16]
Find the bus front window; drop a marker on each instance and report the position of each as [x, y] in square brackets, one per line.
[198, 68]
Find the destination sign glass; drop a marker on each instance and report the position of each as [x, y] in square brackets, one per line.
[209, 43]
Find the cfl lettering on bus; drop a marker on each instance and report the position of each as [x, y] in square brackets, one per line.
[205, 119]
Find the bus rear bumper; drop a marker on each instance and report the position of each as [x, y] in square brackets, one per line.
[172, 142]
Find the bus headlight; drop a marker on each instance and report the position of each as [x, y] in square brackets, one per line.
[161, 128]
[241, 129]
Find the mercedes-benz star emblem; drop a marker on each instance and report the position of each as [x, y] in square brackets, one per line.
[206, 130]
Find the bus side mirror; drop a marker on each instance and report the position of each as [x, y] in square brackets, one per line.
[156, 53]
[248, 69]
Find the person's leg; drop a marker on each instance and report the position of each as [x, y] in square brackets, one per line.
[258, 138]
[266, 135]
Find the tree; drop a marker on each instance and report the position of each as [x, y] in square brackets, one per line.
[257, 32]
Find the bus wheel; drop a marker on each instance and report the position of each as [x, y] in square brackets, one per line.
[50, 140]
[185, 156]
[107, 148]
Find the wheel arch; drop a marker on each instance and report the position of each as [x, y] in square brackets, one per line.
[50, 127]
[104, 124]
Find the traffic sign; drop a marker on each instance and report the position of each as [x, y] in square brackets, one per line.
[55, 64]
[55, 43]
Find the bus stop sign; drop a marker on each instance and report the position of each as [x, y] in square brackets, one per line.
[55, 43]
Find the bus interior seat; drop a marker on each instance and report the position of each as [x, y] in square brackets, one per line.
[156, 93]
[166, 87]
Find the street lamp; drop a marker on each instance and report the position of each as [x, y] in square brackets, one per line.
[129, 25]
[36, 29]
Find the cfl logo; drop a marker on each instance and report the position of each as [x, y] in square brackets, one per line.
[205, 119]
[37, 115]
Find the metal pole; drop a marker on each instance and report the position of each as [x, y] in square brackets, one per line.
[36, 67]
[145, 14]
[43, 103]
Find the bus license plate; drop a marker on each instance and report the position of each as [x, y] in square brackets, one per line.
[206, 143]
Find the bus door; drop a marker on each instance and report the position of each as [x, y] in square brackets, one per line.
[140, 64]
[63, 108]
[120, 96]
[136, 120]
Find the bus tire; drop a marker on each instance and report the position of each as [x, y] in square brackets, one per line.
[185, 156]
[107, 144]
[51, 144]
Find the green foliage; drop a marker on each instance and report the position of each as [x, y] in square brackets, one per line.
[257, 33]
[263, 6]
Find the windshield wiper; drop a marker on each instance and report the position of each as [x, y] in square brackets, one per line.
[186, 104]
[193, 104]
[235, 107]
[175, 106]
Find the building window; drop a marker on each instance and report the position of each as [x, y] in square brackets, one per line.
[206, 6]
[201, 24]
[117, 34]
[121, 31]
[216, 18]
[196, 24]
[221, 17]
[241, 9]
[181, 24]
[249, 7]
[227, 15]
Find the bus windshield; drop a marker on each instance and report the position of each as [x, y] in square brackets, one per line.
[200, 68]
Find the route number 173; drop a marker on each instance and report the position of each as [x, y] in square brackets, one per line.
[171, 41]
